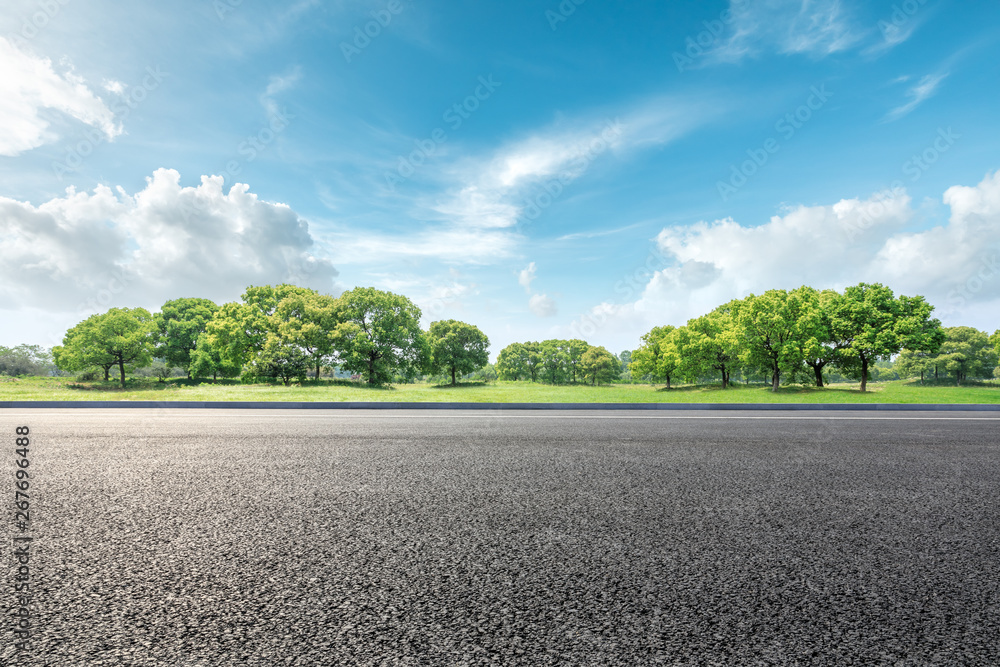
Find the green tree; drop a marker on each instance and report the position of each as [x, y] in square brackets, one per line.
[259, 336]
[657, 357]
[555, 360]
[179, 323]
[574, 350]
[306, 320]
[457, 347]
[209, 360]
[378, 334]
[119, 337]
[874, 325]
[710, 344]
[598, 365]
[911, 363]
[770, 331]
[519, 360]
[819, 345]
[25, 360]
[966, 352]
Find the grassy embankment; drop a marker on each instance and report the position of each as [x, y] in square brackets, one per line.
[24, 389]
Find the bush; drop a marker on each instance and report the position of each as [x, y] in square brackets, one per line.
[90, 376]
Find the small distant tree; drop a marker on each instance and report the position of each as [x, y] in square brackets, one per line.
[966, 352]
[657, 357]
[457, 348]
[25, 360]
[598, 365]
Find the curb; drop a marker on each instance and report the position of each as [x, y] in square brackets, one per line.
[399, 405]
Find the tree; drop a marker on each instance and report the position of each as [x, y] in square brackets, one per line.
[555, 359]
[179, 323]
[118, 337]
[25, 360]
[519, 360]
[208, 359]
[269, 334]
[913, 362]
[873, 324]
[966, 352]
[306, 320]
[378, 333]
[710, 344]
[624, 373]
[457, 347]
[820, 346]
[599, 365]
[657, 356]
[769, 328]
[574, 350]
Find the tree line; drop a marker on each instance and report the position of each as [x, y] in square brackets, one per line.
[558, 362]
[801, 332]
[280, 332]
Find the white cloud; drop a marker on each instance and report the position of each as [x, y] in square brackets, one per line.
[526, 277]
[814, 27]
[956, 266]
[924, 89]
[164, 242]
[542, 305]
[29, 86]
[483, 199]
[277, 84]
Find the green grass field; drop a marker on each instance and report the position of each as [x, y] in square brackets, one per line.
[46, 388]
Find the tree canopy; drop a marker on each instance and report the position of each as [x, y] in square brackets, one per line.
[378, 334]
[457, 348]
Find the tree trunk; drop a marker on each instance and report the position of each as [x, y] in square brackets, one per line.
[725, 378]
[215, 376]
[317, 370]
[668, 383]
[121, 369]
[819, 375]
[921, 377]
[775, 379]
[864, 374]
[452, 376]
[107, 373]
[371, 370]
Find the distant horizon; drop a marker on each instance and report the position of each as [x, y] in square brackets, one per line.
[564, 170]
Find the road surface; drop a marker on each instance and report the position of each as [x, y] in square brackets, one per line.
[245, 537]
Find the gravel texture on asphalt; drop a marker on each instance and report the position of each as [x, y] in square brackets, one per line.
[168, 537]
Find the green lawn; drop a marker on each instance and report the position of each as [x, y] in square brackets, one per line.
[23, 389]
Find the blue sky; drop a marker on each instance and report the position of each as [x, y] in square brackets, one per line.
[539, 169]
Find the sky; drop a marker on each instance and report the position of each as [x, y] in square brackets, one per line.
[542, 169]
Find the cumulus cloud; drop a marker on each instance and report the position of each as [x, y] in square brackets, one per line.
[526, 277]
[542, 305]
[84, 250]
[699, 266]
[30, 86]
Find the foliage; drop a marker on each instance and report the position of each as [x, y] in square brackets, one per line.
[966, 353]
[598, 365]
[378, 334]
[457, 348]
[25, 360]
[873, 324]
[121, 336]
[179, 323]
[657, 357]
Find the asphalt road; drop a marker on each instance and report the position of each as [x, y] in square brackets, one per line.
[202, 537]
